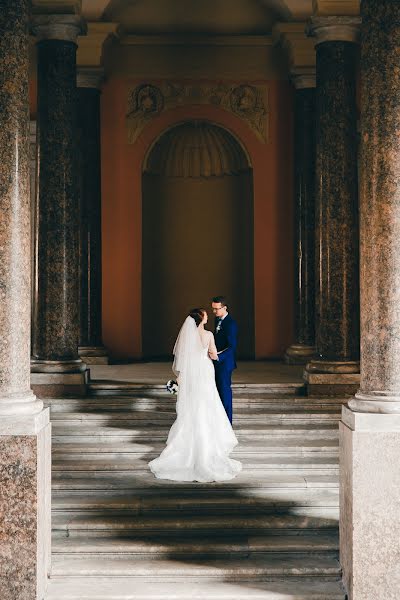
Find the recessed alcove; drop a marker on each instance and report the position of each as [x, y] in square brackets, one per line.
[197, 232]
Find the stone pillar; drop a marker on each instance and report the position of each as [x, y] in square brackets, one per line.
[304, 183]
[34, 262]
[56, 366]
[335, 368]
[91, 347]
[370, 427]
[24, 425]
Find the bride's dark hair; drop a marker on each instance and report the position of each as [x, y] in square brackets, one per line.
[197, 314]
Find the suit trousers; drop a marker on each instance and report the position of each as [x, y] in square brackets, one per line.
[223, 379]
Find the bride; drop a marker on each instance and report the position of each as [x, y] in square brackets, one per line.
[201, 438]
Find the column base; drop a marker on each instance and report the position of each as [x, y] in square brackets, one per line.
[376, 402]
[332, 378]
[93, 355]
[25, 480]
[299, 354]
[59, 379]
[60, 385]
[369, 504]
[39, 365]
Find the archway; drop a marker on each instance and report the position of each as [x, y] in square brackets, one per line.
[197, 233]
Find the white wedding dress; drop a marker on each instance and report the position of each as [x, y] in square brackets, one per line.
[201, 438]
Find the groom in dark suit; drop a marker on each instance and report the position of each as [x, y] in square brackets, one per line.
[226, 341]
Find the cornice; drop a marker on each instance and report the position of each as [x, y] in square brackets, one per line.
[348, 8]
[195, 40]
[90, 46]
[298, 46]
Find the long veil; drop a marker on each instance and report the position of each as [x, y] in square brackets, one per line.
[188, 352]
[187, 346]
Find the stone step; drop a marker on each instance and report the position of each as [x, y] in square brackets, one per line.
[189, 502]
[128, 388]
[168, 403]
[121, 588]
[294, 518]
[243, 483]
[156, 546]
[79, 430]
[253, 416]
[228, 569]
[247, 447]
[117, 462]
[251, 460]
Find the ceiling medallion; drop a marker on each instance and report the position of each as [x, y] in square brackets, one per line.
[248, 102]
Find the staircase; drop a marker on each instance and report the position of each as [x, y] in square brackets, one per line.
[120, 534]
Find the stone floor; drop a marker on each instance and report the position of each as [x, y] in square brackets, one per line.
[121, 534]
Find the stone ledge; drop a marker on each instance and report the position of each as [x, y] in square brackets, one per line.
[373, 422]
[60, 385]
[25, 425]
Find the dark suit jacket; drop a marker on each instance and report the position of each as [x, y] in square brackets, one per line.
[226, 340]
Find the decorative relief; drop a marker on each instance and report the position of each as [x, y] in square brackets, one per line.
[249, 102]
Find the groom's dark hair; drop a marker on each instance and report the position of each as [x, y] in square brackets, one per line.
[221, 299]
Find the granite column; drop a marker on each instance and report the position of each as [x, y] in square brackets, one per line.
[56, 366]
[24, 425]
[370, 427]
[303, 349]
[91, 347]
[336, 366]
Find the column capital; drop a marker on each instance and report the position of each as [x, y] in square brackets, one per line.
[334, 29]
[89, 77]
[58, 27]
[303, 77]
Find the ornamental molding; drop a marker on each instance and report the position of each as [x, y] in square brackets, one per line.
[298, 47]
[91, 46]
[247, 101]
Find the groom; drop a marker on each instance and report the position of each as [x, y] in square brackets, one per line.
[225, 340]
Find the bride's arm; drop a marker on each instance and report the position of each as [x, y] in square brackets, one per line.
[212, 349]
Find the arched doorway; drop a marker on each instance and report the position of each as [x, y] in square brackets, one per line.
[197, 233]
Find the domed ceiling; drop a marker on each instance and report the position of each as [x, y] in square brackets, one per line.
[215, 17]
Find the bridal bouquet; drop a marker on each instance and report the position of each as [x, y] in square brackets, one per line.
[172, 386]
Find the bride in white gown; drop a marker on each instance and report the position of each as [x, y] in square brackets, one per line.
[201, 438]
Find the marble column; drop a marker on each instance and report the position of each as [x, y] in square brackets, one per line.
[336, 366]
[303, 349]
[370, 427]
[56, 366]
[91, 347]
[24, 425]
[34, 262]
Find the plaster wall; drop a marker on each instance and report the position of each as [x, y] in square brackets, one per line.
[122, 165]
